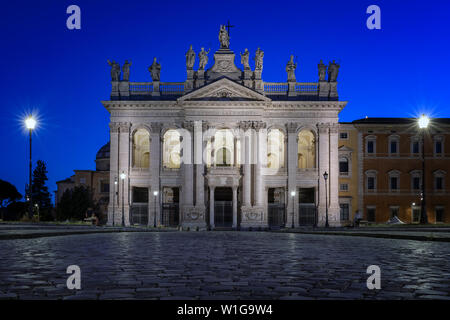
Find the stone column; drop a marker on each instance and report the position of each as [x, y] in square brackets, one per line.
[188, 179]
[211, 206]
[124, 165]
[235, 206]
[260, 133]
[324, 161]
[155, 160]
[200, 180]
[292, 172]
[113, 213]
[246, 149]
[333, 183]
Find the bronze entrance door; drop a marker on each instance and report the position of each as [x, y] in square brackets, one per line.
[307, 209]
[276, 207]
[170, 213]
[223, 207]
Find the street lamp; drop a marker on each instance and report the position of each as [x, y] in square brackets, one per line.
[293, 207]
[325, 177]
[155, 193]
[122, 177]
[30, 123]
[423, 122]
[114, 199]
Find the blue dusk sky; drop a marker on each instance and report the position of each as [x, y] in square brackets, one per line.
[62, 75]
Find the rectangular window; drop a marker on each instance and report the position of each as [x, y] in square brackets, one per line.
[104, 187]
[370, 183]
[394, 183]
[371, 214]
[344, 211]
[415, 147]
[416, 214]
[344, 187]
[416, 183]
[343, 135]
[140, 195]
[82, 180]
[439, 214]
[306, 195]
[393, 146]
[394, 212]
[438, 147]
[343, 167]
[370, 146]
[439, 183]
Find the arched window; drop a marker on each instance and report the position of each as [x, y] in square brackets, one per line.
[171, 149]
[275, 149]
[306, 150]
[343, 166]
[141, 149]
[224, 147]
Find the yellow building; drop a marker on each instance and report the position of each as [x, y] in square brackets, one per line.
[348, 172]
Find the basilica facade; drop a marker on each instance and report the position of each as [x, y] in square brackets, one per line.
[224, 148]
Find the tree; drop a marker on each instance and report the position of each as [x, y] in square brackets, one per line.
[8, 195]
[41, 196]
[74, 203]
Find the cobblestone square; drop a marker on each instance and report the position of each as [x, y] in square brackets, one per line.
[222, 265]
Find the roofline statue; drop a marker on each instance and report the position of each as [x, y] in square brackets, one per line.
[155, 70]
[224, 37]
[115, 70]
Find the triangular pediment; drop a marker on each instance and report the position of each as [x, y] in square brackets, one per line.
[224, 89]
[345, 148]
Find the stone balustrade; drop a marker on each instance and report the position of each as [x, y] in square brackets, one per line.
[291, 89]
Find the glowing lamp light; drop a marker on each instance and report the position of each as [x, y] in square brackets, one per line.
[292, 193]
[30, 123]
[423, 121]
[123, 176]
[155, 193]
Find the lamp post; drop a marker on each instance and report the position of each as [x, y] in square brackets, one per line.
[30, 123]
[122, 177]
[325, 177]
[293, 207]
[155, 194]
[114, 200]
[423, 122]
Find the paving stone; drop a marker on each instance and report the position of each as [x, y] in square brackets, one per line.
[222, 265]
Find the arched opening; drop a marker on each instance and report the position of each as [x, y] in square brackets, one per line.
[224, 148]
[275, 149]
[172, 149]
[306, 150]
[141, 149]
[223, 157]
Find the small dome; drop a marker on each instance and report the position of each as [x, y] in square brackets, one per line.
[103, 153]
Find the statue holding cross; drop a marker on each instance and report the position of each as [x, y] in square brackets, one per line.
[224, 37]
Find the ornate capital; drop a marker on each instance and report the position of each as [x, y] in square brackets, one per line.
[323, 127]
[245, 125]
[257, 125]
[292, 127]
[114, 127]
[156, 127]
[334, 128]
[188, 125]
[124, 126]
[205, 125]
